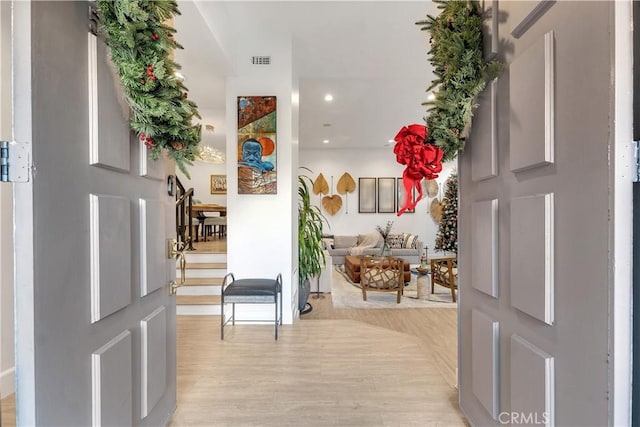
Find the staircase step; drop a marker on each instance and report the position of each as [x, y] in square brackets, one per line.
[203, 281]
[206, 257]
[206, 265]
[198, 300]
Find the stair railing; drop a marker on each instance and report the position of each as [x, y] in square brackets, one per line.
[184, 215]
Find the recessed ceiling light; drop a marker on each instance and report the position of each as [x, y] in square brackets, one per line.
[326, 141]
[328, 97]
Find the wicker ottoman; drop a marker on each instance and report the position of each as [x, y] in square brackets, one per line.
[352, 268]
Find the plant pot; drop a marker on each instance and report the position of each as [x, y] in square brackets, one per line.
[303, 294]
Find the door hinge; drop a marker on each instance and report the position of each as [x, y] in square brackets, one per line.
[14, 161]
[636, 155]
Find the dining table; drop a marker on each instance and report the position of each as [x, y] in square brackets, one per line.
[199, 210]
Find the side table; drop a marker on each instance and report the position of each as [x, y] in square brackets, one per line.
[421, 282]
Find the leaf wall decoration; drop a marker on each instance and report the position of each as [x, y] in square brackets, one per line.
[332, 204]
[320, 185]
[346, 184]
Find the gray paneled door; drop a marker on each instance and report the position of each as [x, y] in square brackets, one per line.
[536, 191]
[95, 322]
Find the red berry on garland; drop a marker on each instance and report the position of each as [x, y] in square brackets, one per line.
[149, 143]
[153, 78]
[154, 37]
[185, 95]
[150, 68]
[142, 81]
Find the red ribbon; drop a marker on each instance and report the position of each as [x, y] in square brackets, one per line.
[423, 160]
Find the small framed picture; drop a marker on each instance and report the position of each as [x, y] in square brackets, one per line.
[218, 184]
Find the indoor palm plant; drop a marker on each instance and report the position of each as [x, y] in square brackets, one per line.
[311, 257]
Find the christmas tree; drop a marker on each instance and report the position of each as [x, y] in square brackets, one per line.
[447, 238]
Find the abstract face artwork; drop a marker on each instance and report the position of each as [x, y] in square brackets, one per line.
[257, 145]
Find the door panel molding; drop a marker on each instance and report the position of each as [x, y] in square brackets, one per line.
[153, 265]
[532, 121]
[484, 350]
[153, 331]
[110, 234]
[525, 15]
[532, 259]
[532, 382]
[108, 113]
[484, 247]
[483, 141]
[112, 391]
[152, 169]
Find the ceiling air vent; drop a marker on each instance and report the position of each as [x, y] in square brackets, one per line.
[261, 60]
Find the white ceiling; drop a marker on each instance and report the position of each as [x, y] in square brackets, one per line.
[369, 54]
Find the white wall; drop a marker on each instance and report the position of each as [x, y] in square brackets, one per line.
[200, 178]
[261, 227]
[369, 163]
[7, 359]
[201, 171]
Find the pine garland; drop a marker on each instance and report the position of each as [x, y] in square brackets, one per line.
[141, 44]
[461, 71]
[447, 237]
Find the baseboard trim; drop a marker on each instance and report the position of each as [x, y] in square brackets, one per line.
[7, 382]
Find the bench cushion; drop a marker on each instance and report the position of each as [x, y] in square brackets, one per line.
[252, 287]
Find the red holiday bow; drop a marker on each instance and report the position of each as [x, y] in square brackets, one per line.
[423, 160]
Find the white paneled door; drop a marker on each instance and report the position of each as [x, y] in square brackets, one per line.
[95, 321]
[539, 191]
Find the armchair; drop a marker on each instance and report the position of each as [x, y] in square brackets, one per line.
[444, 272]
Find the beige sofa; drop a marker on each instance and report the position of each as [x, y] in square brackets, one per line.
[404, 245]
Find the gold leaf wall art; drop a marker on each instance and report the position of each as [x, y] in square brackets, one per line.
[332, 204]
[346, 184]
[320, 186]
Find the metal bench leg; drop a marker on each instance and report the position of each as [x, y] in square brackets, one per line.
[276, 315]
[222, 319]
[233, 313]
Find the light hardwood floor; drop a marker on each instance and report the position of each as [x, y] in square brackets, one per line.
[333, 367]
[320, 372]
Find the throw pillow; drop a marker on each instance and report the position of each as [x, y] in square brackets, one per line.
[410, 241]
[395, 241]
[342, 242]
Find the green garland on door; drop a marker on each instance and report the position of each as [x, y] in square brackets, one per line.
[461, 71]
[141, 44]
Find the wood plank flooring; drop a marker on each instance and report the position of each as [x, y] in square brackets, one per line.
[320, 372]
[333, 367]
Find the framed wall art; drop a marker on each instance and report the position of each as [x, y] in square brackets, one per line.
[366, 195]
[386, 195]
[402, 196]
[218, 184]
[257, 142]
